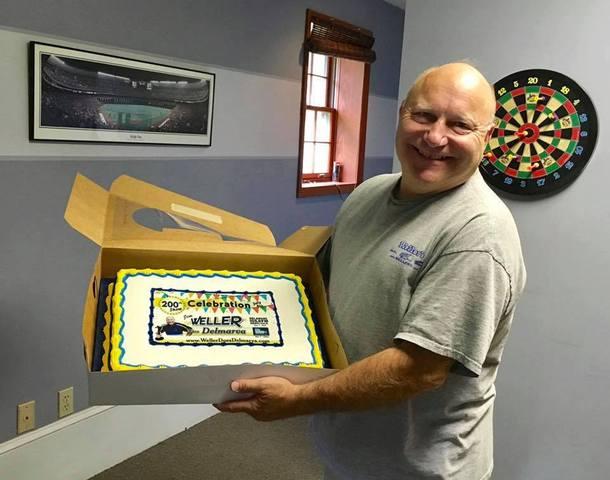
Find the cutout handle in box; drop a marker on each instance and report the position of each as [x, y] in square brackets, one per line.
[136, 210]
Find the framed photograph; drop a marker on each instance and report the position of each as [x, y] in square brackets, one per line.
[82, 96]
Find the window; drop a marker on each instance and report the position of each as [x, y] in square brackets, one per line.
[334, 100]
[320, 119]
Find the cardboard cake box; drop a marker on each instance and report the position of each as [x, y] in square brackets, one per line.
[210, 238]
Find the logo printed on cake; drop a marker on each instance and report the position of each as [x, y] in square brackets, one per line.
[213, 318]
[169, 304]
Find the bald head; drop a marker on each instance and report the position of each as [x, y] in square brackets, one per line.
[459, 76]
[445, 123]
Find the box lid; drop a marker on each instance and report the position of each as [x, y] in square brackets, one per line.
[308, 239]
[134, 210]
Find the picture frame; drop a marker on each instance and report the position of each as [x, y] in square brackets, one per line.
[83, 96]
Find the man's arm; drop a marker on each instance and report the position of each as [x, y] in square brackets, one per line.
[382, 379]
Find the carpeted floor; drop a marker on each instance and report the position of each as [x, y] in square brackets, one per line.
[226, 447]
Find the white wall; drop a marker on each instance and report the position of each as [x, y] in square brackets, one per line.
[255, 133]
[254, 144]
[261, 111]
[552, 415]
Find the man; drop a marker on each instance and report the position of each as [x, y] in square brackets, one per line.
[425, 273]
[172, 327]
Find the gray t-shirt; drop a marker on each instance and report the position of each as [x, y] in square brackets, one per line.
[445, 273]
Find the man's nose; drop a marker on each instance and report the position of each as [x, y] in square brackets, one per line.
[436, 135]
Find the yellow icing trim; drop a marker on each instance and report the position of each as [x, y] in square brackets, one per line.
[106, 330]
[115, 351]
[309, 324]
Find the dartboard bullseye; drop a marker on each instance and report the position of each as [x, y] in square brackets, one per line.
[545, 133]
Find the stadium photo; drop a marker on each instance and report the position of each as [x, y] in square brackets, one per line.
[99, 98]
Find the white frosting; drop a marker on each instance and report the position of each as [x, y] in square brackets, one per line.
[172, 318]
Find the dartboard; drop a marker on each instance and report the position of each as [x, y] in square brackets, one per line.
[545, 132]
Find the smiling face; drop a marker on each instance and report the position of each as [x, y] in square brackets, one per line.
[445, 123]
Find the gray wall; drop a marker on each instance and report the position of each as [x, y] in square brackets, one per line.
[256, 36]
[45, 265]
[552, 411]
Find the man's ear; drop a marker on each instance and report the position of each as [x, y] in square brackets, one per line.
[403, 108]
[489, 132]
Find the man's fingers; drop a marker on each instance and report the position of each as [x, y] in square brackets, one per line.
[241, 386]
[247, 386]
[235, 406]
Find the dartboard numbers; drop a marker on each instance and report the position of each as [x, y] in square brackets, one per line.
[545, 133]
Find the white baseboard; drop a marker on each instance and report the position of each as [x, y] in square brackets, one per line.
[88, 442]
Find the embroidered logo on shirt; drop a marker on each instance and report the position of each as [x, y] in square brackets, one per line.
[408, 254]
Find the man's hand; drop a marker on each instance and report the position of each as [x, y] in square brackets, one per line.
[274, 398]
[383, 379]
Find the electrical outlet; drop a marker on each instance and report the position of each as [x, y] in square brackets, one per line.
[65, 402]
[26, 417]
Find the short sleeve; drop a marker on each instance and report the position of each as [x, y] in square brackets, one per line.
[456, 307]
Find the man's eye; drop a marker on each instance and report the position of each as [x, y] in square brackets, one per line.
[423, 117]
[461, 127]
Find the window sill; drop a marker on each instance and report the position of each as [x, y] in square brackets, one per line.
[315, 189]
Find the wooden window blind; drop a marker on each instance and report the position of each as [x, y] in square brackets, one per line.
[330, 36]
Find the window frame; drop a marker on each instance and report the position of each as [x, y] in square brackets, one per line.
[316, 184]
